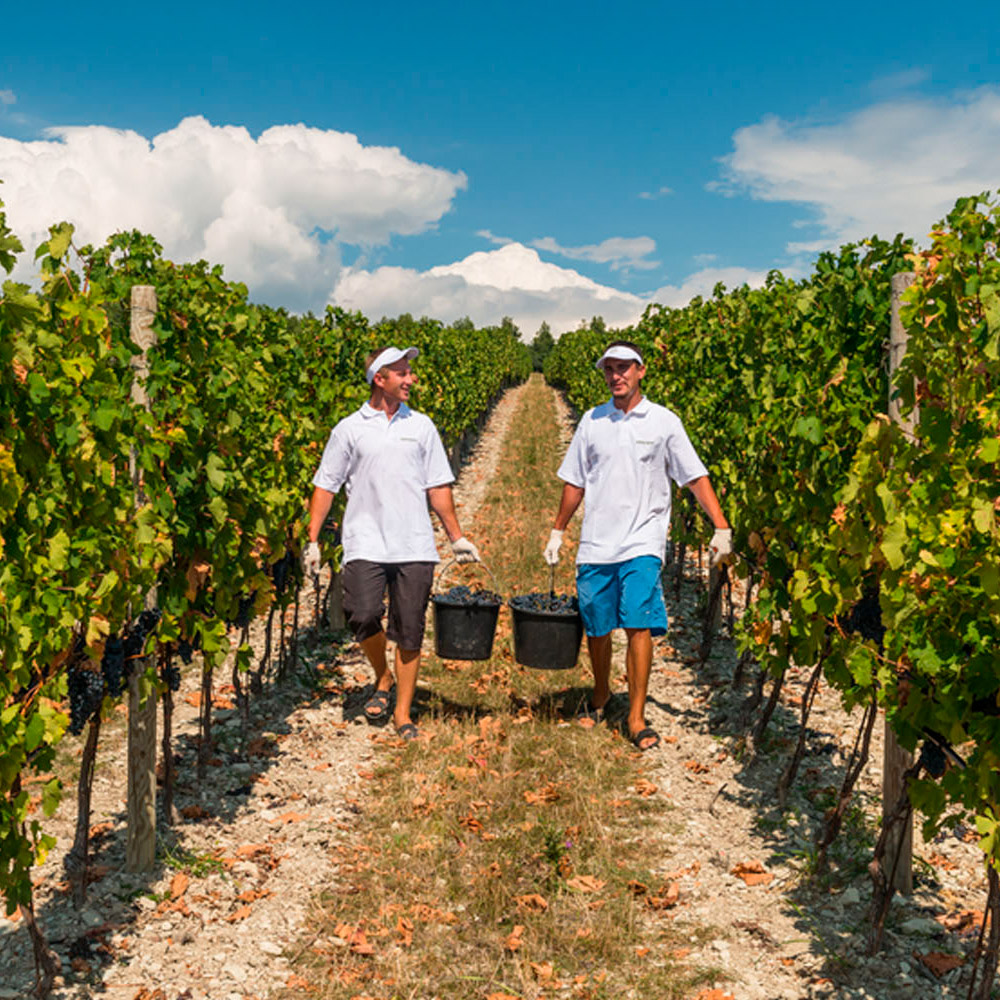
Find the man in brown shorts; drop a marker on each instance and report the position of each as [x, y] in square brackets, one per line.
[392, 463]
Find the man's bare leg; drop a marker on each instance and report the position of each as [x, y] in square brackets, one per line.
[599, 647]
[374, 649]
[638, 663]
[407, 667]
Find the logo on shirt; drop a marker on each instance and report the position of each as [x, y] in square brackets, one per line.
[637, 441]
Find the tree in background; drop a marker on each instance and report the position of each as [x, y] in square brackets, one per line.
[541, 346]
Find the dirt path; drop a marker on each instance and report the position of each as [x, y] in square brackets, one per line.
[224, 912]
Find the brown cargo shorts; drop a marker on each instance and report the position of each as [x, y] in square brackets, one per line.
[409, 586]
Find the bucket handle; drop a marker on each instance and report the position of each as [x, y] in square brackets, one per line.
[455, 562]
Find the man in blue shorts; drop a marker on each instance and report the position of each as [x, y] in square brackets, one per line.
[623, 457]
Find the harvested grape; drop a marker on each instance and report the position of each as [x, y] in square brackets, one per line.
[541, 603]
[463, 596]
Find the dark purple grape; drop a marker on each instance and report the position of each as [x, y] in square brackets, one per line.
[86, 692]
[463, 596]
[170, 673]
[113, 667]
[541, 603]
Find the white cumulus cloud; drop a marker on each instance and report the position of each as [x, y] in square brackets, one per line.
[274, 210]
[511, 281]
[620, 252]
[8, 97]
[896, 166]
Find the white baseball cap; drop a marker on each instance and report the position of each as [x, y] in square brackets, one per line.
[389, 357]
[619, 352]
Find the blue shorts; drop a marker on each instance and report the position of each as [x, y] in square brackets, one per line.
[621, 595]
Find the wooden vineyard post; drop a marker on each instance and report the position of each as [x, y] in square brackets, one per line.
[140, 848]
[895, 761]
[335, 617]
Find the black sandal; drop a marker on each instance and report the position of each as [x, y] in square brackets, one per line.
[587, 711]
[379, 701]
[644, 734]
[407, 731]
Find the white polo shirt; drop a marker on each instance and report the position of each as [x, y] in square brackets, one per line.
[624, 462]
[386, 466]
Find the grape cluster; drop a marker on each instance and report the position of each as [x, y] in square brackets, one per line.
[466, 597]
[137, 633]
[541, 603]
[865, 618]
[113, 666]
[186, 648]
[170, 673]
[86, 692]
[281, 571]
[244, 611]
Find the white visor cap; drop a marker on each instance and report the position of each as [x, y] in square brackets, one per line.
[389, 357]
[620, 353]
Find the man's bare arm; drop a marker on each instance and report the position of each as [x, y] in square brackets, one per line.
[570, 500]
[708, 501]
[443, 504]
[319, 507]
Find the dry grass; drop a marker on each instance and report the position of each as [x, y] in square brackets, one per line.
[508, 853]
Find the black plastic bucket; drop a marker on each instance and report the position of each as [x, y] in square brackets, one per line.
[464, 631]
[546, 640]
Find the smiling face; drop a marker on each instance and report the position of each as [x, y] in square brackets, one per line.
[623, 379]
[395, 381]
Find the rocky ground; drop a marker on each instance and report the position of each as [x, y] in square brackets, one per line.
[225, 910]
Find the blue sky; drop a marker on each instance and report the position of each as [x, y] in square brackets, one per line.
[543, 161]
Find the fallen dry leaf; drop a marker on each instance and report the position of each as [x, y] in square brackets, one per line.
[696, 766]
[240, 913]
[940, 861]
[547, 793]
[252, 895]
[645, 788]
[962, 921]
[404, 927]
[179, 884]
[586, 883]
[543, 970]
[752, 873]
[532, 901]
[667, 897]
[290, 817]
[714, 994]
[195, 812]
[939, 962]
[252, 850]
[513, 940]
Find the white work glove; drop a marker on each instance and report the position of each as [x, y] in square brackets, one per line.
[720, 547]
[311, 559]
[552, 549]
[464, 551]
